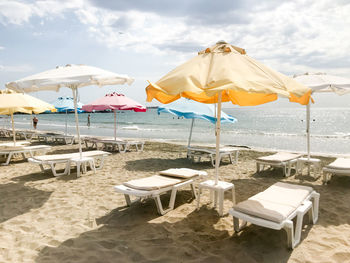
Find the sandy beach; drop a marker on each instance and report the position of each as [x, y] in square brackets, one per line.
[69, 219]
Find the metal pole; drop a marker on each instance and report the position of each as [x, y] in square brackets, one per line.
[189, 138]
[13, 130]
[75, 91]
[217, 133]
[115, 124]
[308, 135]
[66, 121]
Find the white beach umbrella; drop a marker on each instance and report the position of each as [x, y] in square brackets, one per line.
[321, 82]
[71, 76]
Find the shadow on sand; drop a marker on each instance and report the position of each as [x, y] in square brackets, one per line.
[17, 199]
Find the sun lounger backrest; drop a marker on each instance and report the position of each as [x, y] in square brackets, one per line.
[154, 182]
[280, 157]
[181, 173]
[340, 163]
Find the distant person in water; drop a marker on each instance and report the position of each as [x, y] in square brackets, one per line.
[88, 120]
[35, 122]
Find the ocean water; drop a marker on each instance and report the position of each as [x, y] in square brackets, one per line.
[282, 129]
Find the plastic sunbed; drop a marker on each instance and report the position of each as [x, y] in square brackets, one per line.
[154, 186]
[341, 166]
[193, 152]
[53, 160]
[65, 139]
[22, 149]
[285, 160]
[121, 145]
[109, 144]
[276, 207]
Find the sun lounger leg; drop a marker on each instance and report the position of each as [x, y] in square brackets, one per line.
[159, 205]
[199, 197]
[238, 227]
[290, 234]
[142, 146]
[8, 159]
[221, 202]
[194, 195]
[313, 215]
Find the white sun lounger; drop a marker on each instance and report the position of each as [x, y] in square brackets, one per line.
[341, 166]
[154, 186]
[64, 139]
[197, 152]
[276, 207]
[285, 160]
[121, 145]
[53, 160]
[22, 149]
[109, 144]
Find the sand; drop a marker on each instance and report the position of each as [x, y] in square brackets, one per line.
[69, 219]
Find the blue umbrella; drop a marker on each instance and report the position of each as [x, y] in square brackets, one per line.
[190, 109]
[66, 104]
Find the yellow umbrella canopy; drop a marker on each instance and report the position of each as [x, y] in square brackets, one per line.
[226, 69]
[12, 102]
[224, 73]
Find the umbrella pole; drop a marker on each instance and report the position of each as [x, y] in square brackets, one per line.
[66, 123]
[13, 130]
[115, 125]
[308, 135]
[217, 134]
[75, 91]
[190, 137]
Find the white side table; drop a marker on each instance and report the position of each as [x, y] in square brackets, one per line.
[218, 191]
[83, 162]
[316, 163]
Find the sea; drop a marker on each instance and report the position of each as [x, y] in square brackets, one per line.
[257, 128]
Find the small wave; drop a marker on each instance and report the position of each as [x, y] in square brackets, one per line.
[132, 127]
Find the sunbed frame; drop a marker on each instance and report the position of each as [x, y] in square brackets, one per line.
[23, 150]
[310, 206]
[196, 152]
[155, 194]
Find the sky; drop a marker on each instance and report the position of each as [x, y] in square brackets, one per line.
[146, 39]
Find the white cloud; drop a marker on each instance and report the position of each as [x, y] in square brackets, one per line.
[2, 48]
[290, 36]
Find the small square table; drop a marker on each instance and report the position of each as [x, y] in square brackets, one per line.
[316, 163]
[217, 190]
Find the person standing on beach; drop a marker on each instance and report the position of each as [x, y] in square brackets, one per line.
[35, 122]
[88, 120]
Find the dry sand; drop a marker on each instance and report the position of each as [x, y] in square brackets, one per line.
[69, 219]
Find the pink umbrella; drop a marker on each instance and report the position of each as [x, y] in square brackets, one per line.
[114, 101]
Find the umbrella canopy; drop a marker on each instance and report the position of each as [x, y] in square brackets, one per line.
[73, 77]
[12, 102]
[321, 82]
[114, 101]
[70, 75]
[227, 70]
[64, 104]
[190, 109]
[224, 73]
